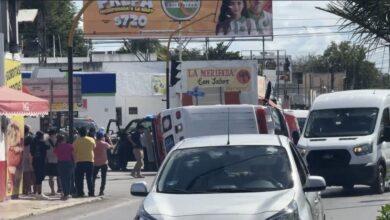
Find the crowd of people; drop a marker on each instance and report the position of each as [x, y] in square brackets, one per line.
[66, 165]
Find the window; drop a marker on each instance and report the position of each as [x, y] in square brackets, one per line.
[385, 122]
[225, 169]
[133, 111]
[301, 167]
[280, 127]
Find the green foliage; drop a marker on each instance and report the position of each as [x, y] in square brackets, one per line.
[344, 57]
[384, 213]
[54, 19]
[369, 20]
[220, 52]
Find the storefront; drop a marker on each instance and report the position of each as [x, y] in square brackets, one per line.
[14, 105]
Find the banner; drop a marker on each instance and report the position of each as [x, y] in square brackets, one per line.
[14, 134]
[13, 76]
[159, 84]
[158, 18]
[231, 79]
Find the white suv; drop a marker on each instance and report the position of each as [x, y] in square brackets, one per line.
[236, 177]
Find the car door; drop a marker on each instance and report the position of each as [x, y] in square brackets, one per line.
[313, 198]
[383, 145]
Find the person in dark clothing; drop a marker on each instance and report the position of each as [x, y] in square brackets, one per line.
[135, 139]
[92, 133]
[38, 152]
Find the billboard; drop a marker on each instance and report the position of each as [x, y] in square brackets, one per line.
[158, 18]
[14, 134]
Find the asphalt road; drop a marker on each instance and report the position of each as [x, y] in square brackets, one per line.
[118, 204]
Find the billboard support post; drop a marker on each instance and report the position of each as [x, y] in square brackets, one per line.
[169, 53]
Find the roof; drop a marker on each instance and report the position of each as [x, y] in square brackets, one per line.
[201, 108]
[236, 139]
[351, 99]
[14, 102]
[297, 113]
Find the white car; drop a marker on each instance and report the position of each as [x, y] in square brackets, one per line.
[237, 177]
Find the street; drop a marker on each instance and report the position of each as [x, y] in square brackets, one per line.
[118, 204]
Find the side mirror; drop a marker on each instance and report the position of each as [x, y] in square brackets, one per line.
[139, 189]
[314, 184]
[295, 137]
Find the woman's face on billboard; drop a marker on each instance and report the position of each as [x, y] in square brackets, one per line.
[236, 7]
[256, 5]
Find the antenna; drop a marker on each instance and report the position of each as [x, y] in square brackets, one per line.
[228, 128]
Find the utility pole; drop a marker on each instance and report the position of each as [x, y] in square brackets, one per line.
[277, 75]
[2, 74]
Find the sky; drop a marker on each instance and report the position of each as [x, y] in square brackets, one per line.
[312, 31]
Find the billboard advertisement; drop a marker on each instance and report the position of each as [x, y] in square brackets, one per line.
[158, 18]
[14, 134]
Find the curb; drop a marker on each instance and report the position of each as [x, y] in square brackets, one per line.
[52, 208]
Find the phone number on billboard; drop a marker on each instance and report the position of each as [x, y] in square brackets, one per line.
[131, 20]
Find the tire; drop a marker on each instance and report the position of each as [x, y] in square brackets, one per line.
[113, 162]
[379, 185]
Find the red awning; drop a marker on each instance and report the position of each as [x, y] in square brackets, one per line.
[14, 102]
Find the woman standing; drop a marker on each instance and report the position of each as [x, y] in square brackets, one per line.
[100, 162]
[51, 166]
[28, 171]
[38, 151]
[64, 153]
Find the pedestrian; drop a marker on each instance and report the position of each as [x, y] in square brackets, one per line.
[92, 132]
[101, 161]
[84, 158]
[51, 160]
[135, 140]
[38, 151]
[64, 153]
[28, 171]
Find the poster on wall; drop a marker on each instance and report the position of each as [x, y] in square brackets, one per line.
[158, 18]
[159, 84]
[14, 134]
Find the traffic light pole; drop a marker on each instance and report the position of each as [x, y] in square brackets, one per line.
[70, 67]
[168, 57]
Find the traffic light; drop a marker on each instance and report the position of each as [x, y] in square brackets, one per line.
[175, 72]
[286, 66]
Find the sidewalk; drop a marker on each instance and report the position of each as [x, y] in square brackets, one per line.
[28, 206]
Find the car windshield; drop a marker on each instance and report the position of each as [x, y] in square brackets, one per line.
[341, 122]
[226, 169]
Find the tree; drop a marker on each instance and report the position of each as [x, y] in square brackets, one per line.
[343, 57]
[220, 52]
[53, 22]
[141, 48]
[369, 20]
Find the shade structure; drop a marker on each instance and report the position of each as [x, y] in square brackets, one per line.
[14, 102]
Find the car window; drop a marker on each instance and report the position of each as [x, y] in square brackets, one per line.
[280, 126]
[385, 121]
[301, 167]
[226, 169]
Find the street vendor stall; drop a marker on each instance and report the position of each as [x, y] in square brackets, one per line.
[14, 103]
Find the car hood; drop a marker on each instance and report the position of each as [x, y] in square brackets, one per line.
[259, 205]
[333, 142]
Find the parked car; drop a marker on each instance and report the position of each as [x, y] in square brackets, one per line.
[119, 137]
[347, 138]
[248, 176]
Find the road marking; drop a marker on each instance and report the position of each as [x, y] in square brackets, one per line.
[95, 213]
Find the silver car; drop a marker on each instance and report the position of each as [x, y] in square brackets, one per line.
[237, 177]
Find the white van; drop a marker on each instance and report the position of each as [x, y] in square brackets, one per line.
[347, 138]
[195, 121]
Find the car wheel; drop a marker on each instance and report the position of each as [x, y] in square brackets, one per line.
[379, 184]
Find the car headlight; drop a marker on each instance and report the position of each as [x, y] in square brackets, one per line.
[362, 149]
[289, 213]
[143, 215]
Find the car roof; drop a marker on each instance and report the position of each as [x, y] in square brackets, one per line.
[351, 99]
[235, 139]
[298, 113]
